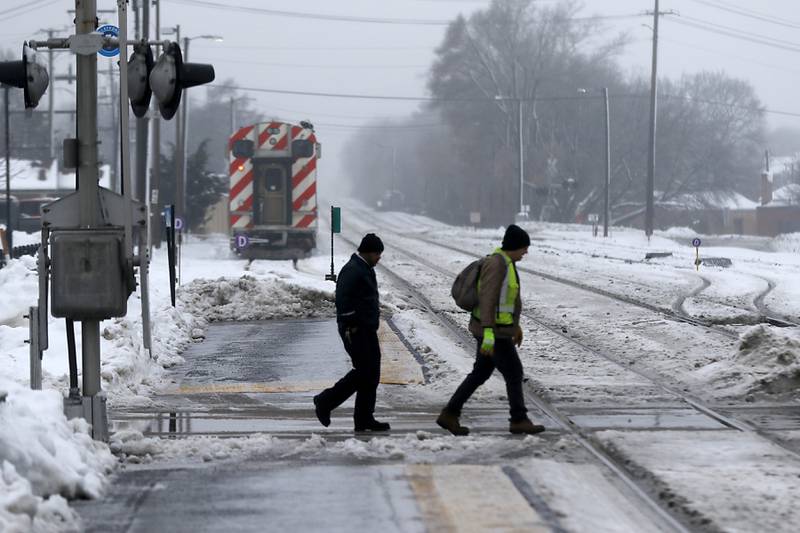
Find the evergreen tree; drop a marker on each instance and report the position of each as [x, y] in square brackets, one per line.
[203, 188]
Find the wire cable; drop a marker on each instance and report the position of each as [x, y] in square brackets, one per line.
[734, 34]
[317, 16]
[22, 10]
[486, 100]
[349, 18]
[749, 13]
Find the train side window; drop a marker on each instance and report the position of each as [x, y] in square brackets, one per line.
[273, 179]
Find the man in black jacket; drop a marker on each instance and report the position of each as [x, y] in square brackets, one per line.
[358, 315]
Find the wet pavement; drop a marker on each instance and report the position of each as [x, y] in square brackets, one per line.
[251, 381]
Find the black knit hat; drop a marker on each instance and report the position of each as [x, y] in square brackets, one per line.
[515, 238]
[371, 243]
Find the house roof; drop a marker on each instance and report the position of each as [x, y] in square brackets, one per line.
[786, 195]
[711, 200]
[27, 175]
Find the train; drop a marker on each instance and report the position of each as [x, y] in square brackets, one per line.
[272, 197]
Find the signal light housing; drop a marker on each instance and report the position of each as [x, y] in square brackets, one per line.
[140, 65]
[27, 75]
[171, 76]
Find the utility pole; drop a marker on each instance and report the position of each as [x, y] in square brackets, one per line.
[521, 164]
[651, 154]
[88, 188]
[606, 211]
[51, 96]
[142, 124]
[115, 181]
[155, 173]
[184, 147]
[179, 160]
[9, 226]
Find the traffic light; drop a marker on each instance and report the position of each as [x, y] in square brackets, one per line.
[171, 76]
[140, 65]
[27, 75]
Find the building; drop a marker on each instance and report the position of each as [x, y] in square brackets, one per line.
[33, 185]
[779, 211]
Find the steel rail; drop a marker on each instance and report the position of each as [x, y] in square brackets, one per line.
[693, 402]
[762, 313]
[595, 449]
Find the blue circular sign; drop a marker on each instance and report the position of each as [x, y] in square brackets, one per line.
[242, 242]
[108, 50]
[178, 223]
[696, 243]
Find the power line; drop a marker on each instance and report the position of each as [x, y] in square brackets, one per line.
[349, 18]
[297, 65]
[398, 97]
[742, 32]
[736, 34]
[727, 53]
[23, 9]
[318, 16]
[749, 13]
[487, 100]
[314, 48]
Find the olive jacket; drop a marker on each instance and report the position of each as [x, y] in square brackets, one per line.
[492, 275]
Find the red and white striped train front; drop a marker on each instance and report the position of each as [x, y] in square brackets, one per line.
[273, 190]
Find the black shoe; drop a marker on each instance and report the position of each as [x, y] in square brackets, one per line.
[373, 425]
[449, 421]
[323, 415]
[525, 427]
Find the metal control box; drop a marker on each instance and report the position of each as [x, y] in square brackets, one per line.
[87, 269]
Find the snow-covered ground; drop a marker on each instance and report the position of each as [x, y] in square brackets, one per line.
[44, 458]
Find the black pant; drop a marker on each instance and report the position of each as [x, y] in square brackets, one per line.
[365, 352]
[507, 361]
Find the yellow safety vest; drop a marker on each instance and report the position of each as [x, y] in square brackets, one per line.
[508, 294]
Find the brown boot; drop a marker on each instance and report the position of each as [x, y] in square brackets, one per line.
[449, 421]
[525, 427]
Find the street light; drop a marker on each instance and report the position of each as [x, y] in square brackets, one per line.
[522, 215]
[607, 187]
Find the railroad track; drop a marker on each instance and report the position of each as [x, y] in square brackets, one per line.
[583, 436]
[596, 450]
[758, 314]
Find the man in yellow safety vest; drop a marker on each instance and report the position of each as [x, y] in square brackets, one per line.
[495, 325]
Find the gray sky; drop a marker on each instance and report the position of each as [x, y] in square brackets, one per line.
[278, 52]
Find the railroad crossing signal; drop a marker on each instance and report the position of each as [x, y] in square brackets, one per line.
[140, 65]
[170, 76]
[26, 74]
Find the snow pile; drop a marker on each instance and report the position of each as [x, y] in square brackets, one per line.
[767, 361]
[21, 275]
[248, 298]
[132, 447]
[787, 242]
[44, 459]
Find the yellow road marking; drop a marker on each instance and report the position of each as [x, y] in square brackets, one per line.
[471, 498]
[398, 366]
[238, 388]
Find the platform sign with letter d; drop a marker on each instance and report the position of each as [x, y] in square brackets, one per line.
[696, 243]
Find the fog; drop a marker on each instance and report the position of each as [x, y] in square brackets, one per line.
[388, 49]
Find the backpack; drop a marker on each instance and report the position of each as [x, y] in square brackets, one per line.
[465, 286]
